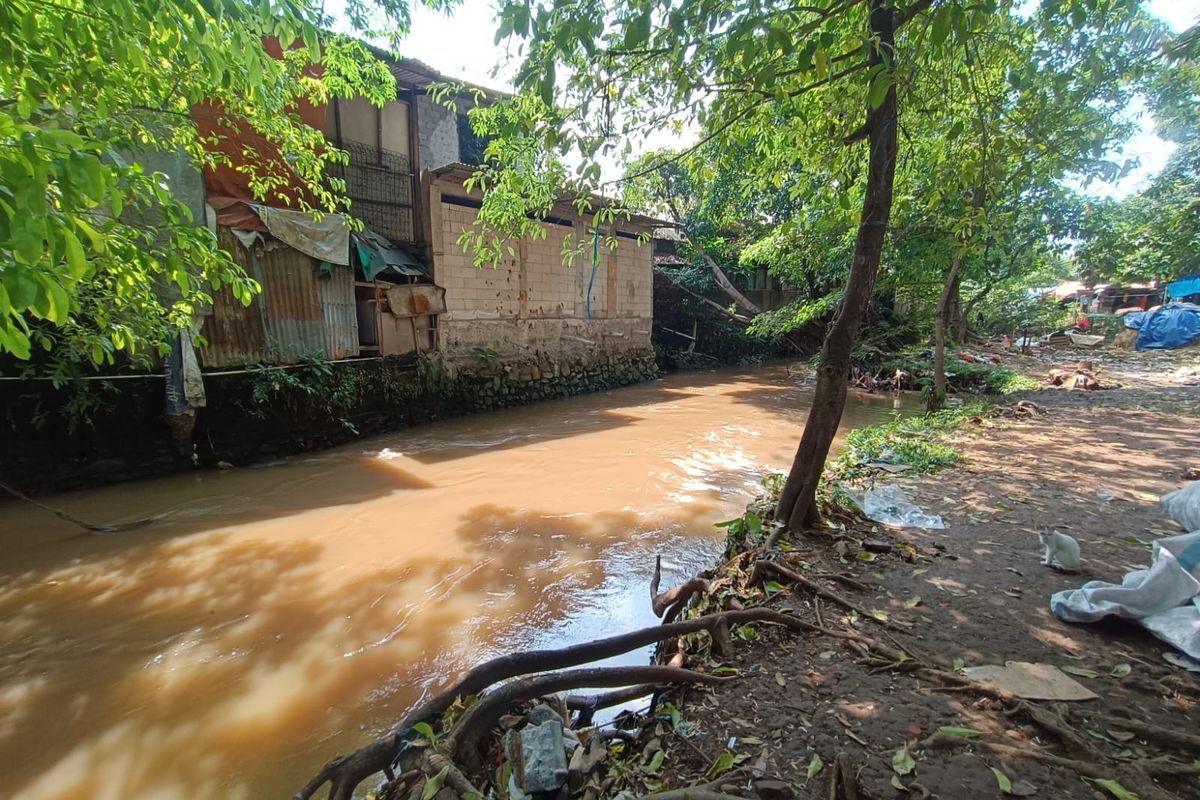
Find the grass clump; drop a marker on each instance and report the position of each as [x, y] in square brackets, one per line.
[919, 442]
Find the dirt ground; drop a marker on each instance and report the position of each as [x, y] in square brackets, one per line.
[1093, 464]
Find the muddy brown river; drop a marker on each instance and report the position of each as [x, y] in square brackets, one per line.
[283, 613]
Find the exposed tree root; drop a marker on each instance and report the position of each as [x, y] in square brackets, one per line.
[1167, 736]
[762, 567]
[588, 704]
[843, 784]
[346, 772]
[671, 602]
[465, 741]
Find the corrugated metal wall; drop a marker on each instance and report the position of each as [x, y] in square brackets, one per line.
[300, 312]
[336, 294]
[233, 332]
[293, 318]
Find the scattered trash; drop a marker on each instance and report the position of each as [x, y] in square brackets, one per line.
[544, 756]
[1085, 339]
[1183, 506]
[1164, 599]
[888, 504]
[1173, 325]
[1031, 681]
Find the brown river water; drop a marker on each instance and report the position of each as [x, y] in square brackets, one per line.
[283, 613]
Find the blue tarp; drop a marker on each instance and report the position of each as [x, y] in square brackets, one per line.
[1185, 286]
[1173, 325]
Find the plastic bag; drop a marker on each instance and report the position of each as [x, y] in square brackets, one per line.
[890, 505]
[1183, 506]
[1164, 599]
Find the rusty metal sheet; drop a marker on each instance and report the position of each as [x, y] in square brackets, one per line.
[293, 311]
[416, 300]
[234, 334]
[299, 313]
[339, 312]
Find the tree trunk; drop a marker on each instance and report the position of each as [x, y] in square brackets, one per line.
[797, 503]
[957, 312]
[937, 393]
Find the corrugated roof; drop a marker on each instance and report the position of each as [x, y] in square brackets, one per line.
[460, 170]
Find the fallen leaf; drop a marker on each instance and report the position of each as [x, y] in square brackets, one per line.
[751, 740]
[434, 784]
[858, 739]
[896, 782]
[959, 732]
[721, 765]
[1002, 781]
[1121, 736]
[913, 602]
[1082, 672]
[902, 762]
[917, 572]
[782, 681]
[1115, 789]
[1121, 670]
[959, 664]
[815, 766]
[1181, 661]
[863, 555]
[656, 761]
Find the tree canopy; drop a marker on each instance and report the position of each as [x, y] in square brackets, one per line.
[98, 254]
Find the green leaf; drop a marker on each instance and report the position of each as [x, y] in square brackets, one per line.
[879, 88]
[434, 784]
[902, 762]
[1002, 781]
[1082, 672]
[815, 765]
[77, 264]
[425, 729]
[656, 761]
[940, 28]
[1121, 671]
[721, 765]
[896, 782]
[1115, 789]
[959, 732]
[774, 587]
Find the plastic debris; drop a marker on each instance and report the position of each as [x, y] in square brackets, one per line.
[1183, 506]
[888, 504]
[544, 753]
[1164, 599]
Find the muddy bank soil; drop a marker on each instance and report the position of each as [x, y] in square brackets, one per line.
[1093, 464]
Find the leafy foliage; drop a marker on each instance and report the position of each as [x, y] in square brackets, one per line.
[916, 441]
[98, 253]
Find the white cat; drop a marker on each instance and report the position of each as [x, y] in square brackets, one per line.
[1062, 552]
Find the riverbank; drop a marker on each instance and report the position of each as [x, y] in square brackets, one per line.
[1092, 464]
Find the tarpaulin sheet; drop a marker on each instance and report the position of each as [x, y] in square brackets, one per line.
[1173, 325]
[376, 254]
[1184, 287]
[325, 239]
[1164, 599]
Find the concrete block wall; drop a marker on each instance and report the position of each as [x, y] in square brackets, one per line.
[531, 310]
[437, 133]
